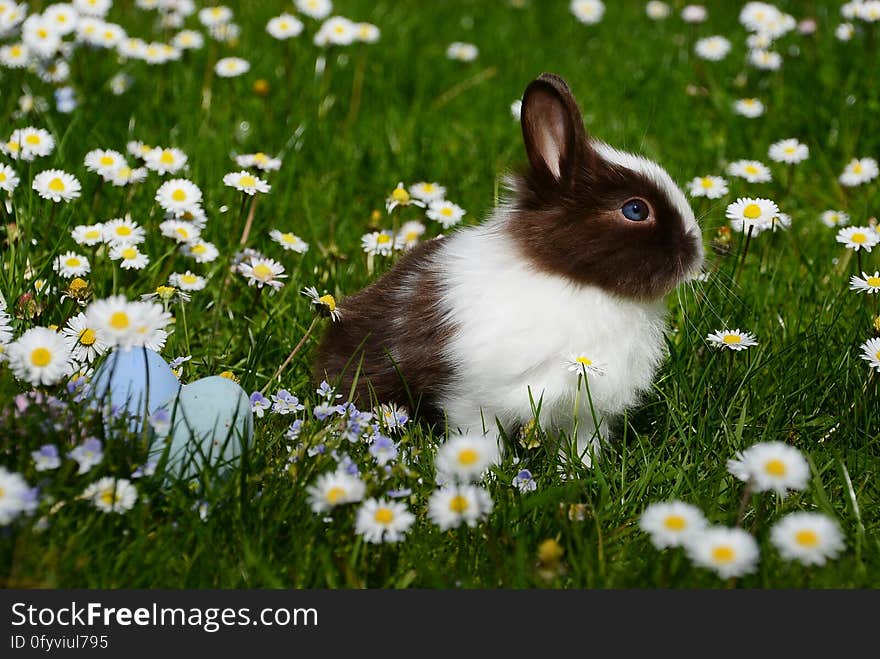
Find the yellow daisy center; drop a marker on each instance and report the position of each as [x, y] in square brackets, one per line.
[165, 291]
[262, 271]
[384, 516]
[72, 262]
[32, 139]
[178, 195]
[806, 538]
[56, 185]
[751, 169]
[87, 337]
[675, 523]
[400, 195]
[247, 181]
[586, 361]
[334, 495]
[123, 172]
[706, 182]
[775, 467]
[42, 33]
[41, 357]
[260, 157]
[288, 238]
[328, 301]
[129, 253]
[383, 238]
[732, 339]
[123, 230]
[858, 238]
[458, 504]
[229, 375]
[167, 157]
[873, 281]
[107, 160]
[467, 456]
[283, 25]
[189, 279]
[109, 498]
[119, 320]
[198, 249]
[2, 177]
[446, 211]
[789, 149]
[723, 554]
[182, 232]
[13, 146]
[857, 168]
[15, 51]
[752, 211]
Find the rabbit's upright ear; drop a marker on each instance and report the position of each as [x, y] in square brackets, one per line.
[553, 130]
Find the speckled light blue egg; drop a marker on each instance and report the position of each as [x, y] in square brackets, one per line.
[135, 381]
[211, 420]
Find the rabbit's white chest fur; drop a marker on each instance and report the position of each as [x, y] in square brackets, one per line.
[516, 327]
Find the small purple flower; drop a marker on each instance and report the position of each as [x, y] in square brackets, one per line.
[285, 402]
[399, 494]
[383, 449]
[295, 429]
[326, 391]
[160, 421]
[259, 404]
[347, 465]
[394, 417]
[524, 481]
[88, 454]
[324, 410]
[177, 362]
[46, 458]
[147, 469]
[319, 449]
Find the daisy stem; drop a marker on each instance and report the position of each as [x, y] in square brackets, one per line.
[250, 219]
[357, 88]
[859, 261]
[745, 252]
[292, 354]
[96, 197]
[744, 502]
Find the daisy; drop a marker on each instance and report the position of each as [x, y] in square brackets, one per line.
[187, 281]
[379, 520]
[245, 182]
[284, 26]
[694, 14]
[182, 232]
[833, 219]
[259, 160]
[129, 256]
[450, 507]
[188, 40]
[789, 151]
[165, 161]
[104, 161]
[463, 52]
[150, 319]
[589, 12]
[39, 356]
[524, 481]
[810, 538]
[869, 11]
[711, 187]
[337, 31]
[122, 231]
[139, 149]
[317, 9]
[263, 272]
[657, 10]
[15, 496]
[672, 523]
[167, 295]
[324, 303]
[713, 49]
[114, 318]
[210, 16]
[748, 107]
[97, 8]
[858, 171]
[111, 495]
[427, 192]
[771, 466]
[747, 214]
[466, 457]
[230, 67]
[84, 342]
[378, 242]
[178, 195]
[409, 235]
[446, 213]
[15, 56]
[335, 489]
[781, 221]
[730, 552]
[759, 41]
[56, 185]
[46, 458]
[289, 241]
[40, 36]
[62, 17]
[866, 283]
[766, 60]
[732, 339]
[751, 170]
[756, 16]
[202, 251]
[35, 142]
[400, 197]
[871, 353]
[844, 31]
[580, 362]
[856, 238]
[367, 32]
[71, 264]
[8, 178]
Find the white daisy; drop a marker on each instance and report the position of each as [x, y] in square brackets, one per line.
[201, 250]
[284, 26]
[367, 32]
[789, 151]
[379, 520]
[71, 264]
[335, 489]
[139, 149]
[858, 171]
[427, 192]
[39, 356]
[182, 232]
[15, 56]
[657, 11]
[8, 178]
[187, 281]
[289, 241]
[230, 67]
[866, 283]
[35, 142]
[150, 320]
[694, 14]
[188, 40]
[466, 457]
[749, 107]
[337, 31]
[84, 342]
[325, 304]
[871, 353]
[730, 552]
[97, 8]
[409, 234]
[378, 242]
[451, 506]
[713, 49]
[111, 495]
[129, 257]
[246, 182]
[125, 175]
[589, 12]
[732, 339]
[104, 161]
[579, 362]
[263, 272]
[178, 195]
[40, 36]
[317, 9]
[259, 160]
[445, 212]
[844, 31]
[672, 523]
[62, 17]
[810, 538]
[711, 187]
[751, 170]
[767, 60]
[856, 238]
[755, 215]
[56, 185]
[771, 466]
[16, 496]
[833, 219]
[122, 231]
[165, 161]
[463, 52]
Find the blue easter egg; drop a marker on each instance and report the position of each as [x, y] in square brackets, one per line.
[136, 382]
[211, 421]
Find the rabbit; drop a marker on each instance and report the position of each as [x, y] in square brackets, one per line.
[476, 326]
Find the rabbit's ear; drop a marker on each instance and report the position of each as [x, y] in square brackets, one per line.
[553, 129]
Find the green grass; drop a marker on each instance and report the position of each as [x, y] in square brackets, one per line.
[423, 117]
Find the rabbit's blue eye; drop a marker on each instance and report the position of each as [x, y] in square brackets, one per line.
[635, 210]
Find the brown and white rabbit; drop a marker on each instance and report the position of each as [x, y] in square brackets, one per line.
[478, 325]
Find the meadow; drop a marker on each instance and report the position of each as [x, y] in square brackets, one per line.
[350, 122]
